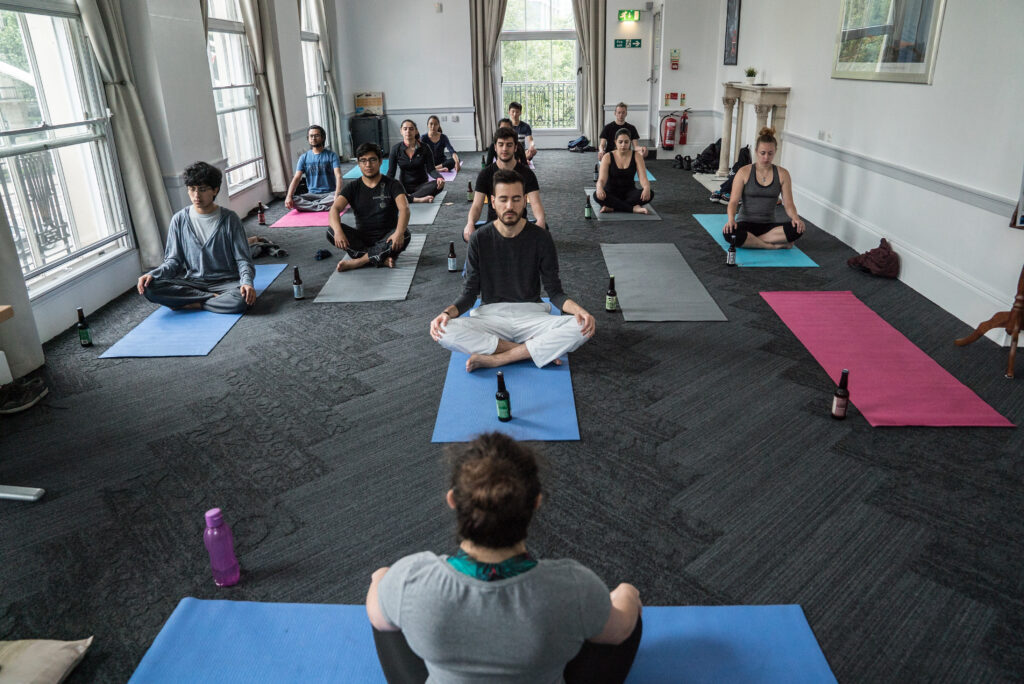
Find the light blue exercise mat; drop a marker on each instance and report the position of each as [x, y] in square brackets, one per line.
[650, 176]
[714, 223]
[543, 405]
[354, 172]
[185, 332]
[239, 642]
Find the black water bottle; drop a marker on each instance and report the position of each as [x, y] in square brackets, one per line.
[453, 262]
[841, 397]
[84, 334]
[503, 400]
[611, 298]
[297, 285]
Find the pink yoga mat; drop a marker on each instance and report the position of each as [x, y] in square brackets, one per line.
[892, 382]
[303, 219]
[449, 176]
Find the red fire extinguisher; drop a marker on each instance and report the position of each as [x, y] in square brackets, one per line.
[683, 124]
[668, 132]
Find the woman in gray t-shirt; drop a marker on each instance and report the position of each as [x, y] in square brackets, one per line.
[492, 612]
[759, 185]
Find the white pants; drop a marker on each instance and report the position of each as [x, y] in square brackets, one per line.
[547, 337]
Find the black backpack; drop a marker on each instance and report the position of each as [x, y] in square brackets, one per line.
[707, 161]
[578, 144]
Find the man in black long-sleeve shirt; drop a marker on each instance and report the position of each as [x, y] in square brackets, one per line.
[508, 260]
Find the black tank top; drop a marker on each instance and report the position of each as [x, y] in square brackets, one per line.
[759, 201]
[620, 181]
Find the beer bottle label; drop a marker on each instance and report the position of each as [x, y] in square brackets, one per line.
[839, 406]
[298, 291]
[504, 410]
[611, 303]
[85, 337]
[453, 264]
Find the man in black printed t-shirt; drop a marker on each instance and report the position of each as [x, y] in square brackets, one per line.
[504, 147]
[381, 211]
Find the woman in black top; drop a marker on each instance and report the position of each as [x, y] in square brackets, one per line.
[416, 162]
[615, 188]
[438, 142]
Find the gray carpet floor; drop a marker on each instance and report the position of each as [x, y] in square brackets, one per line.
[708, 472]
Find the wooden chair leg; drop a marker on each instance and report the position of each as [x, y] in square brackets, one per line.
[998, 321]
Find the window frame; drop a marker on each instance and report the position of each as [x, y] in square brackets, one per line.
[547, 35]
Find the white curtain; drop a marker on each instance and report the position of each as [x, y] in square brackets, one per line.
[590, 31]
[270, 96]
[319, 13]
[485, 20]
[140, 170]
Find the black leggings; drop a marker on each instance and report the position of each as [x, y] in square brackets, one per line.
[448, 163]
[745, 228]
[625, 203]
[594, 664]
[428, 188]
[379, 249]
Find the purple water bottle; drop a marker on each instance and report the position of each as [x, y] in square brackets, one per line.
[221, 545]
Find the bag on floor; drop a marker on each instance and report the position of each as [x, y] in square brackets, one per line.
[743, 159]
[707, 161]
[580, 142]
[880, 261]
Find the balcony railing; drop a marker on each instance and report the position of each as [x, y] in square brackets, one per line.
[545, 105]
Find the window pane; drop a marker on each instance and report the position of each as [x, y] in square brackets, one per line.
[541, 75]
[513, 60]
[239, 130]
[561, 15]
[229, 59]
[316, 107]
[239, 136]
[311, 67]
[515, 16]
[305, 17]
[538, 15]
[224, 9]
[233, 98]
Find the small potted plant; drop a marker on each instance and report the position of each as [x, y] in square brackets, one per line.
[751, 72]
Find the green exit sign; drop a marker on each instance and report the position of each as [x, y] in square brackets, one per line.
[629, 15]
[627, 42]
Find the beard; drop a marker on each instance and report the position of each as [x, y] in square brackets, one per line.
[510, 217]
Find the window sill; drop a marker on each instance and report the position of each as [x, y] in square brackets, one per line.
[242, 188]
[47, 283]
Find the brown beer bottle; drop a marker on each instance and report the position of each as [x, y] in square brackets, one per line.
[261, 214]
[453, 261]
[841, 397]
[297, 285]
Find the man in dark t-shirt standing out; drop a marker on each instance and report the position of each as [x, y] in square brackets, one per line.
[508, 261]
[504, 147]
[382, 215]
[607, 143]
[522, 129]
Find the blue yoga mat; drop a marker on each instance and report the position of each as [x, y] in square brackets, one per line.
[714, 223]
[650, 176]
[354, 172]
[238, 642]
[543, 405]
[184, 332]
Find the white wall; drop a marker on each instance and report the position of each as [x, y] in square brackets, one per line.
[934, 168]
[627, 69]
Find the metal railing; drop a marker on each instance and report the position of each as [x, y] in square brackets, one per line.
[545, 105]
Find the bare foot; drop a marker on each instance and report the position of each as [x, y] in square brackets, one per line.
[350, 264]
[390, 262]
[638, 209]
[479, 361]
[193, 305]
[606, 210]
[428, 198]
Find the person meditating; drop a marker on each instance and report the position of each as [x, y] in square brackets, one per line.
[416, 163]
[206, 264]
[761, 182]
[519, 153]
[322, 169]
[506, 264]
[492, 611]
[438, 143]
[611, 131]
[505, 144]
[382, 215]
[522, 129]
[615, 189]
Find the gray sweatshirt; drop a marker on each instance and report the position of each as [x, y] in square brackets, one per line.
[225, 256]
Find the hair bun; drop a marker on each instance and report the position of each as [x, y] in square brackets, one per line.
[767, 131]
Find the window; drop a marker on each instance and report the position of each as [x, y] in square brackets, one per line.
[234, 95]
[58, 178]
[316, 87]
[538, 62]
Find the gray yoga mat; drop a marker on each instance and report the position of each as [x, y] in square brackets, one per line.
[424, 213]
[654, 283]
[371, 284]
[619, 215]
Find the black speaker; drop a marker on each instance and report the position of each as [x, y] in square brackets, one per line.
[364, 129]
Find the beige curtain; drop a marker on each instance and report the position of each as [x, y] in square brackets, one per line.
[590, 31]
[485, 20]
[204, 7]
[270, 95]
[319, 13]
[140, 170]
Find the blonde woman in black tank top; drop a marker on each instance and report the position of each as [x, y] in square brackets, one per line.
[756, 226]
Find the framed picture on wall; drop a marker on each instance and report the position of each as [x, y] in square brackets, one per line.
[732, 32]
[888, 40]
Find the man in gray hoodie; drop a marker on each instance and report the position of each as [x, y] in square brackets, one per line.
[207, 264]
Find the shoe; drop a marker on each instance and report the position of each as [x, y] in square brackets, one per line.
[21, 395]
[723, 197]
[716, 196]
[276, 252]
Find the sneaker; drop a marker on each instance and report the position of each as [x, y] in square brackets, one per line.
[723, 198]
[716, 196]
[21, 395]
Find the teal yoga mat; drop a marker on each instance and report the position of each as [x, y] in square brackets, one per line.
[239, 642]
[713, 224]
[184, 332]
[650, 176]
[354, 172]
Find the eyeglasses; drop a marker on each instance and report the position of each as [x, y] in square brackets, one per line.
[368, 160]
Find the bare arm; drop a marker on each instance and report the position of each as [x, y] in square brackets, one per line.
[626, 608]
[641, 173]
[474, 214]
[538, 209]
[288, 202]
[334, 218]
[602, 176]
[373, 611]
[338, 180]
[787, 200]
[403, 218]
[738, 181]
